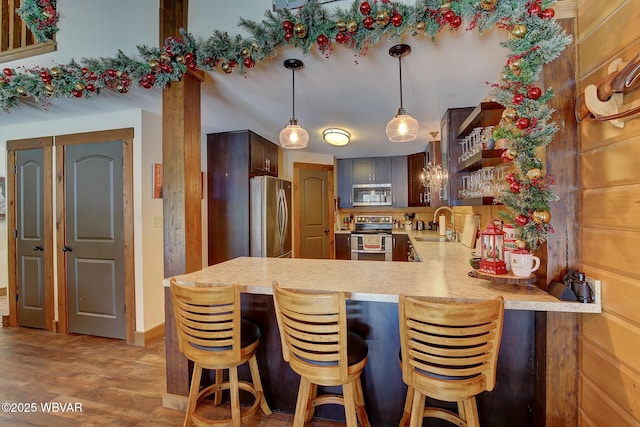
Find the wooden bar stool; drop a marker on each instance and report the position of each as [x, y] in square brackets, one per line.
[449, 352]
[318, 347]
[213, 336]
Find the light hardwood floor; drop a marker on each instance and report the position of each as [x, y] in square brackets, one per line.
[115, 384]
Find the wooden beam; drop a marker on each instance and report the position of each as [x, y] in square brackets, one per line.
[556, 388]
[181, 191]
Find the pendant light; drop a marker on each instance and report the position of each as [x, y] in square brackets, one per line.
[402, 127]
[293, 135]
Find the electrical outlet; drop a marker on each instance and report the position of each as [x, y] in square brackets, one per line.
[156, 222]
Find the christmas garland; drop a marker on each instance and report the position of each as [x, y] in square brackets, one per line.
[41, 17]
[535, 38]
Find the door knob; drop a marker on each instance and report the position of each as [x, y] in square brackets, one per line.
[38, 248]
[326, 230]
[66, 248]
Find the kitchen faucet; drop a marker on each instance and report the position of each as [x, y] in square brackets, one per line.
[453, 237]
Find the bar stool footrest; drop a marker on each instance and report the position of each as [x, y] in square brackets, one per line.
[199, 420]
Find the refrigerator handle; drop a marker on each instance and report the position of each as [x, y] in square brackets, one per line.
[280, 216]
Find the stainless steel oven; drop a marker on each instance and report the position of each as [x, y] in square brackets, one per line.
[371, 238]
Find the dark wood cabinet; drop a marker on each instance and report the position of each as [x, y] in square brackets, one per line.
[345, 182]
[343, 245]
[458, 123]
[416, 190]
[264, 155]
[230, 165]
[399, 184]
[400, 250]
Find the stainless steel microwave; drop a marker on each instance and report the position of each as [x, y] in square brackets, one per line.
[372, 195]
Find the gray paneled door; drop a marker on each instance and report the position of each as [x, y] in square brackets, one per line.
[94, 243]
[30, 237]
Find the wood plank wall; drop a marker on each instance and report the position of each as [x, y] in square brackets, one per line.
[609, 380]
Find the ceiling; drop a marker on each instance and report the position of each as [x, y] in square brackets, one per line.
[360, 94]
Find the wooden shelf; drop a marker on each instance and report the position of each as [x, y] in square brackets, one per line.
[485, 114]
[475, 201]
[504, 279]
[481, 159]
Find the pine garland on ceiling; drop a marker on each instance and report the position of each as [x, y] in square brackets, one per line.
[535, 38]
[41, 17]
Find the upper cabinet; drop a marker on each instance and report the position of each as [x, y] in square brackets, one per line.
[416, 190]
[371, 170]
[467, 183]
[345, 182]
[264, 155]
[399, 184]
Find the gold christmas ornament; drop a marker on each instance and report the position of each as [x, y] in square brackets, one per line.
[511, 154]
[420, 26]
[226, 67]
[245, 52]
[55, 72]
[534, 173]
[488, 4]
[79, 86]
[47, 14]
[519, 31]
[122, 88]
[520, 244]
[21, 91]
[510, 115]
[382, 17]
[180, 59]
[503, 76]
[352, 26]
[164, 57]
[515, 66]
[255, 46]
[541, 217]
[341, 25]
[300, 30]
[445, 6]
[50, 89]
[153, 64]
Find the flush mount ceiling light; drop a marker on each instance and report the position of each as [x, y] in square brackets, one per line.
[336, 136]
[293, 135]
[402, 127]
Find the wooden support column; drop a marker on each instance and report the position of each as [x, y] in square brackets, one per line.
[181, 153]
[556, 389]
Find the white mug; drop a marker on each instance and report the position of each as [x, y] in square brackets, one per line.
[523, 263]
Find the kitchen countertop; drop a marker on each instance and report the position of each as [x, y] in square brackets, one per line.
[442, 274]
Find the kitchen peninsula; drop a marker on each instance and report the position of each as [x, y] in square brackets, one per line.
[373, 288]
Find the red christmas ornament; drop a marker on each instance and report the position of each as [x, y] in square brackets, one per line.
[151, 78]
[368, 22]
[189, 57]
[365, 8]
[547, 13]
[506, 157]
[287, 26]
[91, 87]
[449, 15]
[145, 84]
[287, 36]
[455, 22]
[322, 40]
[232, 63]
[534, 10]
[534, 93]
[76, 93]
[248, 62]
[511, 177]
[8, 72]
[515, 187]
[518, 98]
[45, 76]
[523, 123]
[396, 19]
[341, 37]
[111, 72]
[85, 70]
[92, 76]
[192, 66]
[521, 220]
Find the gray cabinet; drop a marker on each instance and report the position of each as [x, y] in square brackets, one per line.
[399, 182]
[371, 170]
[345, 182]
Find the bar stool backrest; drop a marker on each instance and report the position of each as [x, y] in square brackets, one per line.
[450, 349]
[313, 330]
[208, 320]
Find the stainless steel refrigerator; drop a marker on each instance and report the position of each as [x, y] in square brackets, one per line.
[270, 217]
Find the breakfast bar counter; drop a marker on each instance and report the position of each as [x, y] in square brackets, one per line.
[372, 289]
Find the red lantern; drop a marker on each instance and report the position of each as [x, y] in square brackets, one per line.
[492, 250]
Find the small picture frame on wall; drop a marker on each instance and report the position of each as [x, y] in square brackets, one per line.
[3, 197]
[293, 4]
[157, 181]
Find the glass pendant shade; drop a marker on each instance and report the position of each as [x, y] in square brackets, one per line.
[293, 135]
[402, 127]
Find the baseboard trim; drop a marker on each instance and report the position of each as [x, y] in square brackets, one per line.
[174, 401]
[143, 339]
